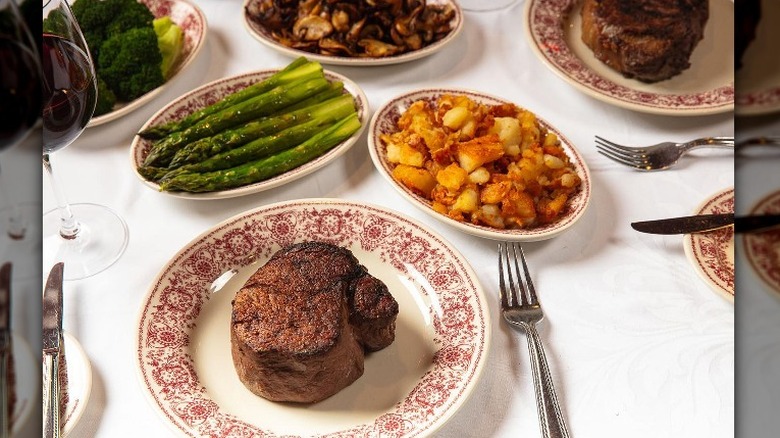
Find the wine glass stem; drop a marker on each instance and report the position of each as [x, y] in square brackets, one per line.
[69, 226]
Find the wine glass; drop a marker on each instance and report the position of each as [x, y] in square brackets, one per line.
[20, 97]
[88, 238]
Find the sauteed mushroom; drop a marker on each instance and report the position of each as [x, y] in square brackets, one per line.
[368, 28]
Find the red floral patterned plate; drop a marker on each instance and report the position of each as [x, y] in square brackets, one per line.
[763, 249]
[385, 121]
[553, 30]
[408, 389]
[712, 253]
[759, 77]
[193, 23]
[216, 90]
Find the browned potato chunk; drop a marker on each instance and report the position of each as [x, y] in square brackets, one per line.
[419, 180]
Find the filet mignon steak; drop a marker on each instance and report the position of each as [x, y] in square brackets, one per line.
[302, 323]
[649, 40]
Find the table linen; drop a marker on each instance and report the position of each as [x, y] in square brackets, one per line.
[638, 344]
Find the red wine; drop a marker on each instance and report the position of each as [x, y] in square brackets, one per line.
[69, 92]
[20, 91]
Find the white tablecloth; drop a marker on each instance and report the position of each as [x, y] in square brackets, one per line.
[639, 345]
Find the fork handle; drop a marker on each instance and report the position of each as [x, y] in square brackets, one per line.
[551, 418]
[710, 142]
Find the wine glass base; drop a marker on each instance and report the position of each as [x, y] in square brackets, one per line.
[102, 239]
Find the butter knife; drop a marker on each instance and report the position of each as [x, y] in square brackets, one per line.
[52, 341]
[5, 349]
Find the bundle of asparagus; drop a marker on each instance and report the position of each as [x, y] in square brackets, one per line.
[254, 134]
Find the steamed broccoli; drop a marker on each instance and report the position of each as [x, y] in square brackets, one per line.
[130, 63]
[101, 19]
[105, 98]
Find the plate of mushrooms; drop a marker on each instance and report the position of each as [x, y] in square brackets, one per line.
[373, 32]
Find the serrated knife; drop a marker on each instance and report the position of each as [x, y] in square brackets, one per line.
[52, 342]
[5, 349]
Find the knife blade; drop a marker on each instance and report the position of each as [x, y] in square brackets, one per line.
[52, 340]
[685, 224]
[756, 223]
[5, 349]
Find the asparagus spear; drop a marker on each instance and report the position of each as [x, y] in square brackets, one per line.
[298, 69]
[199, 150]
[274, 100]
[267, 167]
[255, 150]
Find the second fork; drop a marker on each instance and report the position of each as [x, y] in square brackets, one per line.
[657, 157]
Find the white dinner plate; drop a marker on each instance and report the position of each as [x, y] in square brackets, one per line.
[212, 92]
[763, 249]
[264, 36]
[712, 253]
[193, 23]
[26, 382]
[553, 30]
[408, 389]
[759, 78]
[76, 383]
[385, 121]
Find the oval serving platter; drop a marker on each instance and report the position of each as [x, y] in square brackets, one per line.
[193, 23]
[409, 389]
[212, 92]
[264, 36]
[384, 122]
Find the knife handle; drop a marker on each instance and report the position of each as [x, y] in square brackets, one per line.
[51, 396]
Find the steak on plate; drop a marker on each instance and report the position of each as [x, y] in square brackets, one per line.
[302, 323]
[649, 40]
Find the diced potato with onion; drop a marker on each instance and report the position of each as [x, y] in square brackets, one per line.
[467, 201]
[474, 153]
[452, 177]
[515, 174]
[404, 154]
[508, 130]
[419, 180]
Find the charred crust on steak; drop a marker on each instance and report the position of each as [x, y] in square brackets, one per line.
[648, 40]
[302, 323]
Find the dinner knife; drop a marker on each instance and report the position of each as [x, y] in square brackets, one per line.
[707, 222]
[52, 342]
[686, 224]
[5, 349]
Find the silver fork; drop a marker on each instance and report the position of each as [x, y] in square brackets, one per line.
[522, 313]
[659, 156]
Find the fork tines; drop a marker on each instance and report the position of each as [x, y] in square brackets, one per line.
[633, 157]
[515, 294]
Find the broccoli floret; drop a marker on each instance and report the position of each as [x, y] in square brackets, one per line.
[101, 19]
[170, 39]
[130, 63]
[105, 98]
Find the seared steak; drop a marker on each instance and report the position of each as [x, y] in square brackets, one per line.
[650, 40]
[302, 323]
